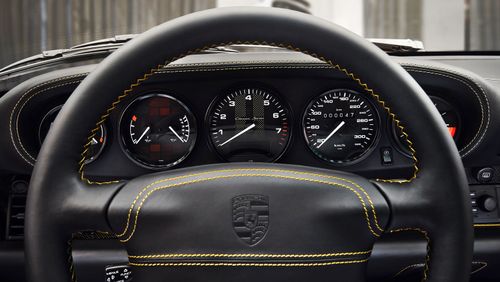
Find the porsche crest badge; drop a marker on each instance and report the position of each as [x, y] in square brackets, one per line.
[250, 217]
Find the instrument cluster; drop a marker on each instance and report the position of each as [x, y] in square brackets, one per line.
[254, 124]
[249, 124]
[340, 127]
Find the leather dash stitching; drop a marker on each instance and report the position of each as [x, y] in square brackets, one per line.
[349, 74]
[219, 264]
[325, 255]
[247, 175]
[15, 109]
[250, 169]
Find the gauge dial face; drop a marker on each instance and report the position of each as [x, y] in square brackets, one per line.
[158, 131]
[341, 126]
[449, 115]
[249, 124]
[96, 144]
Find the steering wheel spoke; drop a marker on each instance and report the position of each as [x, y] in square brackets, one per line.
[422, 206]
[87, 204]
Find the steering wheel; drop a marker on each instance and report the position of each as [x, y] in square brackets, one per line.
[249, 221]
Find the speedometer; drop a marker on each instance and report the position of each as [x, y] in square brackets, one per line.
[249, 124]
[341, 126]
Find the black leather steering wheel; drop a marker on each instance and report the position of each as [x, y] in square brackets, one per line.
[243, 222]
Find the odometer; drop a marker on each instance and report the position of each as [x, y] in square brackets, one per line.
[249, 124]
[340, 126]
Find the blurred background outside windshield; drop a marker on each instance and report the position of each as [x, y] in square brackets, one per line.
[29, 27]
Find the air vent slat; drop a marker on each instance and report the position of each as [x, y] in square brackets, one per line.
[16, 210]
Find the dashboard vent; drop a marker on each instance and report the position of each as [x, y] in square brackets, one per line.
[16, 210]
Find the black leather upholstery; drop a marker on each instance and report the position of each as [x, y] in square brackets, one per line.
[430, 203]
[248, 222]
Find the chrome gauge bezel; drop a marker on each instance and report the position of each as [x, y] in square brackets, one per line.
[368, 150]
[102, 129]
[146, 165]
[402, 147]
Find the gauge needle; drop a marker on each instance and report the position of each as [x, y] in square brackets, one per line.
[142, 135]
[94, 141]
[331, 133]
[171, 129]
[237, 135]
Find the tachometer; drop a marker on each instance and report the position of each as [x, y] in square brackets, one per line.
[158, 131]
[249, 124]
[340, 126]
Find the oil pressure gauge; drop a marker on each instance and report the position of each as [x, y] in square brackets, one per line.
[158, 131]
[341, 126]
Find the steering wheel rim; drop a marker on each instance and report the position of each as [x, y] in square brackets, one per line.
[427, 202]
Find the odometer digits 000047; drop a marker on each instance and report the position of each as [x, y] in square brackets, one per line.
[341, 126]
[249, 124]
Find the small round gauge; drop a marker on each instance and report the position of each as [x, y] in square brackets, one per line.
[249, 124]
[341, 126]
[449, 115]
[158, 131]
[96, 145]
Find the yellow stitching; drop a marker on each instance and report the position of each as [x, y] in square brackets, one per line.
[244, 264]
[487, 225]
[70, 260]
[482, 263]
[249, 169]
[335, 66]
[24, 104]
[426, 236]
[11, 116]
[229, 68]
[415, 68]
[326, 255]
[247, 63]
[406, 268]
[483, 266]
[249, 175]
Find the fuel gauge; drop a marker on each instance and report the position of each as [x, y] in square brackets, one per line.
[158, 131]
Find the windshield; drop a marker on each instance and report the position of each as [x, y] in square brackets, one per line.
[30, 27]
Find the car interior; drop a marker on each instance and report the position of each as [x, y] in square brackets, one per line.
[250, 144]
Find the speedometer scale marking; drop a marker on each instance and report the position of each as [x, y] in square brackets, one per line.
[249, 124]
[340, 126]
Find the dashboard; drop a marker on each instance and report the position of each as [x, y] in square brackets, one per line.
[189, 116]
[279, 107]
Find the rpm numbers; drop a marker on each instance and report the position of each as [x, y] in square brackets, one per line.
[340, 126]
[158, 131]
[249, 124]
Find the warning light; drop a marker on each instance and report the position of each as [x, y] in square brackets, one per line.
[452, 130]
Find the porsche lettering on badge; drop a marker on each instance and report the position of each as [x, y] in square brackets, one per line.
[250, 217]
